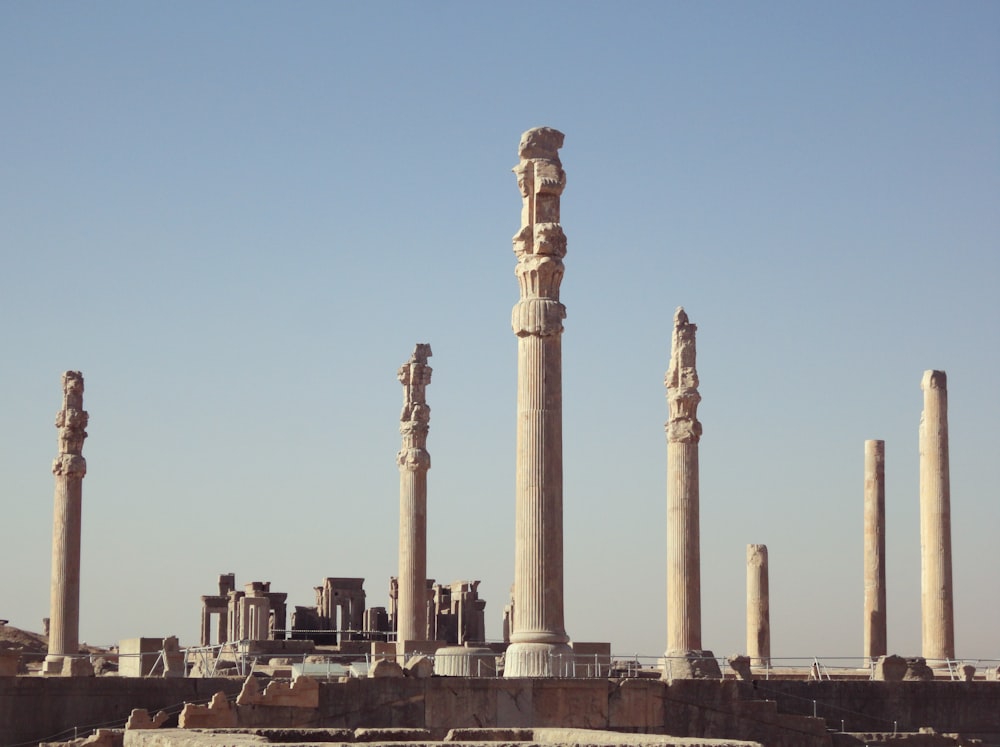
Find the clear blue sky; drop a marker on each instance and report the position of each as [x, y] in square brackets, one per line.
[236, 219]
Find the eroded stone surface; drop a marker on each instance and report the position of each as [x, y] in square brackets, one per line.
[758, 606]
[140, 719]
[936, 592]
[875, 642]
[413, 460]
[538, 639]
[683, 533]
[385, 668]
[419, 666]
[890, 668]
[69, 469]
[219, 713]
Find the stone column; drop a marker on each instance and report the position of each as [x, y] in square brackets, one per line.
[539, 642]
[758, 607]
[683, 434]
[875, 614]
[69, 468]
[935, 521]
[414, 461]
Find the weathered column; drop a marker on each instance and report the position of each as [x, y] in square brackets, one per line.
[539, 642]
[875, 614]
[935, 521]
[69, 468]
[683, 434]
[414, 461]
[758, 607]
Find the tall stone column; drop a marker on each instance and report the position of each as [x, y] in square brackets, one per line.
[683, 435]
[69, 468]
[413, 461]
[758, 607]
[875, 642]
[539, 642]
[935, 521]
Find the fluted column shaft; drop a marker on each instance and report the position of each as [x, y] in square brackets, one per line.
[412, 614]
[538, 645]
[758, 607]
[538, 564]
[69, 468]
[875, 641]
[413, 461]
[938, 628]
[683, 553]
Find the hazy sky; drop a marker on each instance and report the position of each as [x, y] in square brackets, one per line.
[236, 219]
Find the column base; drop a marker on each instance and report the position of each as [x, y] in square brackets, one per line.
[691, 665]
[53, 665]
[538, 660]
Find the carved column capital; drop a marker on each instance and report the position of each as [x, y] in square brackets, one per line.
[414, 421]
[682, 383]
[540, 243]
[71, 421]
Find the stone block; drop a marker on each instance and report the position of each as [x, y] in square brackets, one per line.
[385, 668]
[140, 719]
[218, 714]
[636, 704]
[383, 650]
[740, 664]
[392, 735]
[419, 666]
[77, 666]
[136, 656]
[460, 704]
[691, 665]
[489, 735]
[917, 669]
[580, 704]
[890, 668]
[515, 703]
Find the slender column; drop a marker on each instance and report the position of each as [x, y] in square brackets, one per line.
[875, 613]
[935, 521]
[69, 468]
[758, 607]
[539, 641]
[683, 434]
[414, 461]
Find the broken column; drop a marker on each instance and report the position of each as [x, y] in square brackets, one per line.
[875, 644]
[69, 468]
[539, 642]
[938, 629]
[758, 607]
[414, 461]
[683, 434]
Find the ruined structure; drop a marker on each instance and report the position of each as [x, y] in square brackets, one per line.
[683, 553]
[254, 614]
[339, 614]
[758, 607]
[539, 642]
[414, 461]
[215, 608]
[69, 468]
[875, 643]
[457, 613]
[938, 629]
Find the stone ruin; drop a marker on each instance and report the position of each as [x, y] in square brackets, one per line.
[455, 614]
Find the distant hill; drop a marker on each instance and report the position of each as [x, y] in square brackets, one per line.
[23, 641]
